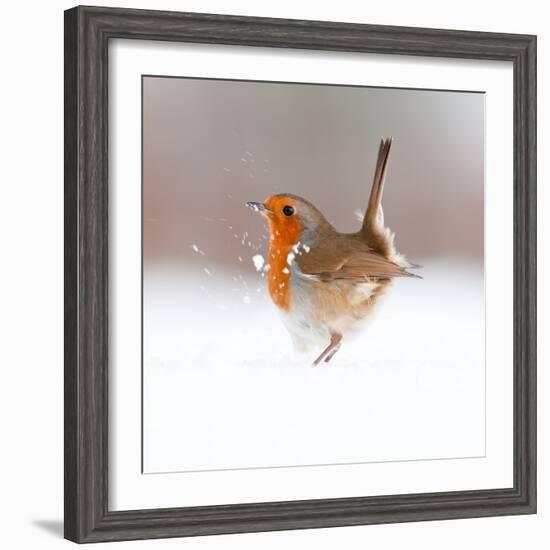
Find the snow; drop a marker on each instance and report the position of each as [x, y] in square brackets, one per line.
[223, 388]
[258, 261]
[197, 249]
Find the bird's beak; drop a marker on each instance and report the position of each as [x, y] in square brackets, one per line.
[258, 207]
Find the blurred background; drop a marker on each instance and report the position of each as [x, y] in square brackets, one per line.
[209, 146]
[222, 388]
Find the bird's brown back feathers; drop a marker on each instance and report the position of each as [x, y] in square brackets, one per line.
[367, 254]
[347, 256]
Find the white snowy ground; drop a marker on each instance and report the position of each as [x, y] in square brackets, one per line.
[223, 390]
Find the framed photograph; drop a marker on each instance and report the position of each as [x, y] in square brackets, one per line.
[300, 274]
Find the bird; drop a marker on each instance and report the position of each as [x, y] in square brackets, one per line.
[325, 283]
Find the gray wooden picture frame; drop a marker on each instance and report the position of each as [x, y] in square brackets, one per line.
[87, 34]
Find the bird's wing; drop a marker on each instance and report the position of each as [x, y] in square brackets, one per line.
[348, 262]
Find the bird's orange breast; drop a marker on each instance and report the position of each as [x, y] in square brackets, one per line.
[285, 233]
[279, 275]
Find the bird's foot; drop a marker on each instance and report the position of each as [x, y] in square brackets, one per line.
[332, 354]
[328, 353]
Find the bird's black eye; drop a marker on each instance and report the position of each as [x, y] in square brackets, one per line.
[288, 210]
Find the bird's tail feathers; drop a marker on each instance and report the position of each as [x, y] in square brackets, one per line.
[374, 217]
[376, 235]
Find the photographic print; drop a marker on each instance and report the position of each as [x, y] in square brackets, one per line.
[300, 274]
[313, 274]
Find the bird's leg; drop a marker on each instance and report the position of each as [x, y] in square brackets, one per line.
[330, 350]
[333, 352]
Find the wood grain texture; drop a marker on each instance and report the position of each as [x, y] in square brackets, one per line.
[87, 34]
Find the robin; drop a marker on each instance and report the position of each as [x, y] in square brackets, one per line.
[326, 283]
